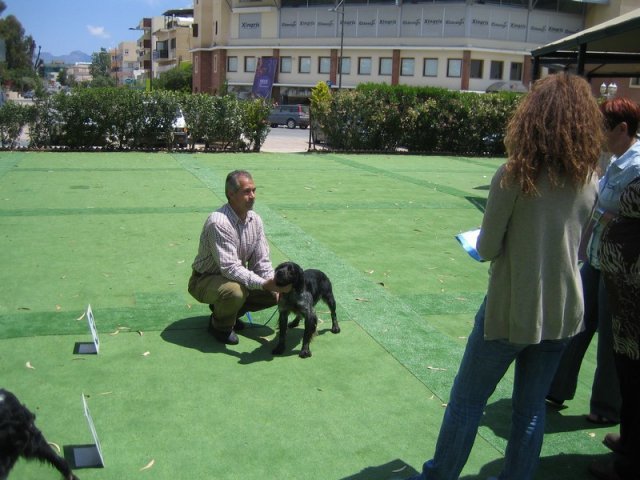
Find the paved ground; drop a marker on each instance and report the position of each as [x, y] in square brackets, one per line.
[284, 140]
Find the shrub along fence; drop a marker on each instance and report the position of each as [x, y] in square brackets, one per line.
[373, 117]
[121, 118]
[380, 117]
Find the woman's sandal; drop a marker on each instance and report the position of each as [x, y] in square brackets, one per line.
[613, 442]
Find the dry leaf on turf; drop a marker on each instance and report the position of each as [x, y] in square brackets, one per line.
[28, 365]
[399, 470]
[436, 369]
[146, 354]
[81, 316]
[148, 465]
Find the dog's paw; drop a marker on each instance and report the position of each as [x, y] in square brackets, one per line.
[335, 329]
[278, 350]
[294, 324]
[304, 353]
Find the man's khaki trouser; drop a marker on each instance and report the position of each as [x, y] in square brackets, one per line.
[230, 299]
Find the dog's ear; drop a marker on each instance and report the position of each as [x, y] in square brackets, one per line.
[298, 276]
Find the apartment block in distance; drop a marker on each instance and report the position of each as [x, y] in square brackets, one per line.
[124, 63]
[173, 39]
[145, 46]
[459, 45]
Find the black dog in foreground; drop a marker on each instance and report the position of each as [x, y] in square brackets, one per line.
[308, 286]
[19, 437]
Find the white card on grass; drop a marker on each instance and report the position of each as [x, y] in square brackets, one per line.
[92, 347]
[88, 455]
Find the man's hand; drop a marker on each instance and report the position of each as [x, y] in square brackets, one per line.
[270, 285]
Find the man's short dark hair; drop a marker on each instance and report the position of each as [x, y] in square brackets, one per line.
[232, 183]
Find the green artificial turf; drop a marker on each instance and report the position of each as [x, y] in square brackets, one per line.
[119, 231]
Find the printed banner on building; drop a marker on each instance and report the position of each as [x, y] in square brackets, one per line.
[263, 79]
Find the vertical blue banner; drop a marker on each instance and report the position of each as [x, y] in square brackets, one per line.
[265, 74]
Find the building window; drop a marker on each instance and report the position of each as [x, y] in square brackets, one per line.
[475, 70]
[286, 65]
[194, 29]
[516, 71]
[364, 65]
[249, 64]
[346, 65]
[496, 70]
[430, 68]
[407, 67]
[232, 64]
[386, 66]
[304, 65]
[324, 65]
[635, 82]
[454, 67]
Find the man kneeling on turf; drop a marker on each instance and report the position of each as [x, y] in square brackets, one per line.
[232, 271]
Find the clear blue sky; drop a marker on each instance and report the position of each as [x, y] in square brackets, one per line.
[62, 26]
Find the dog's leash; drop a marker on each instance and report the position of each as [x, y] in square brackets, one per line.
[248, 315]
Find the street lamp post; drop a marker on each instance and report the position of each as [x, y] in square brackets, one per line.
[339, 8]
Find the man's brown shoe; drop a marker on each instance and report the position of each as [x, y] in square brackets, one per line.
[228, 338]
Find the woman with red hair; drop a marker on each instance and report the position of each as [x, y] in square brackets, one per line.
[617, 240]
[621, 117]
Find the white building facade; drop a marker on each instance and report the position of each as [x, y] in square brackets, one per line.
[459, 45]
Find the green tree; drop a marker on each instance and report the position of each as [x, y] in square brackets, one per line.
[19, 48]
[66, 79]
[320, 110]
[100, 69]
[17, 68]
[255, 121]
[178, 79]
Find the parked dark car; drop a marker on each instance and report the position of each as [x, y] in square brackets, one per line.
[289, 115]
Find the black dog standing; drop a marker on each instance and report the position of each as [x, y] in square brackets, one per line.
[19, 437]
[308, 287]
